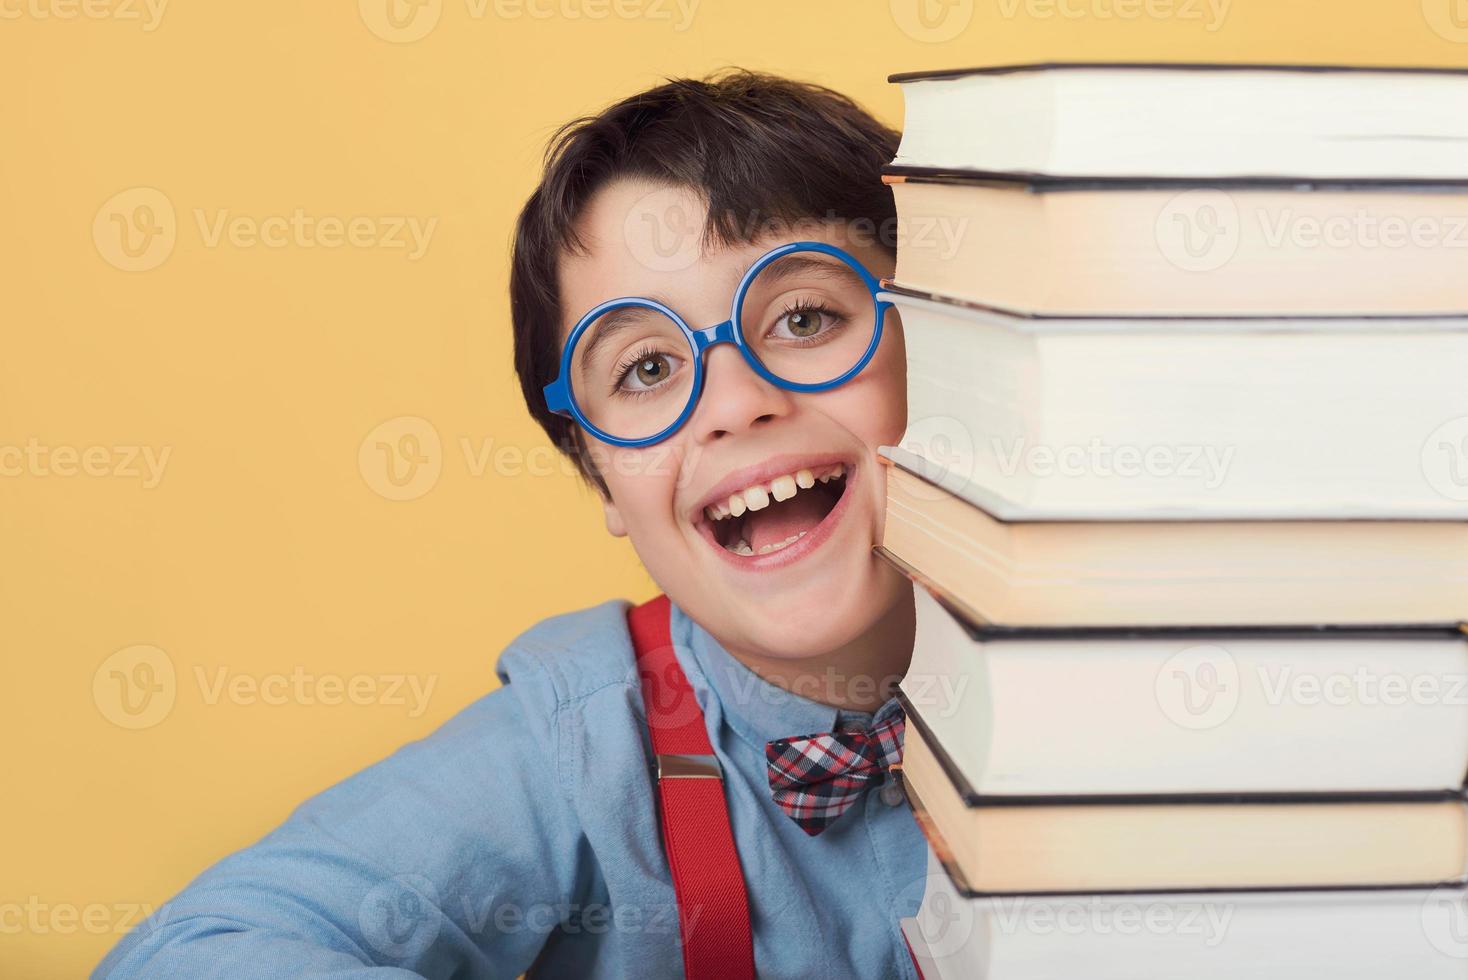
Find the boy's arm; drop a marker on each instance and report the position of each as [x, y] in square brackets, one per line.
[423, 865]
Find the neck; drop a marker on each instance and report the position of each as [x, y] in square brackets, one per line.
[859, 675]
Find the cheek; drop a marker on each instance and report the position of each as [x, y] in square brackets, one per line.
[643, 483]
[873, 407]
[883, 387]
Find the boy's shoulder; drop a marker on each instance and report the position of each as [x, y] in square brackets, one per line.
[576, 653]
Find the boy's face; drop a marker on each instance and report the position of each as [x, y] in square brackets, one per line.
[794, 600]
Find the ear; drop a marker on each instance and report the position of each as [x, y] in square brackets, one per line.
[596, 460]
[616, 527]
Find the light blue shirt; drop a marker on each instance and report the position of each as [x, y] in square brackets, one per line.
[525, 832]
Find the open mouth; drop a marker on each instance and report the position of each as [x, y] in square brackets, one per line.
[775, 514]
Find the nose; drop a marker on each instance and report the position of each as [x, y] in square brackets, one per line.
[735, 399]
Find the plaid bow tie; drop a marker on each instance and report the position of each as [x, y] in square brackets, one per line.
[816, 778]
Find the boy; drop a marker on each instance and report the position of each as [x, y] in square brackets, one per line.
[527, 833]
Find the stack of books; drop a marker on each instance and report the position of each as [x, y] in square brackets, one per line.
[1185, 492]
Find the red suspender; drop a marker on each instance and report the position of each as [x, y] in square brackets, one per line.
[713, 907]
[913, 956]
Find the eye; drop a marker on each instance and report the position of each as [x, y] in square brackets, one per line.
[804, 321]
[646, 370]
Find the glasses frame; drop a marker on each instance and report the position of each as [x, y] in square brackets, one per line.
[561, 399]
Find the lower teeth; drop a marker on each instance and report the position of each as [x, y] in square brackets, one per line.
[743, 548]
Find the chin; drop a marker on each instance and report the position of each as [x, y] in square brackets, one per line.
[809, 623]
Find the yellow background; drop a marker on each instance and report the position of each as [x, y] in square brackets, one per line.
[270, 547]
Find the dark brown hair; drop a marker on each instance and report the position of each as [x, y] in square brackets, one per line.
[758, 148]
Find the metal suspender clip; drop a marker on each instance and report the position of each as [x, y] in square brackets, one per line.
[688, 767]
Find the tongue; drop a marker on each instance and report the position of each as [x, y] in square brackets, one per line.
[785, 518]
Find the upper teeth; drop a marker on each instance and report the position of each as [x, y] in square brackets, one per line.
[757, 497]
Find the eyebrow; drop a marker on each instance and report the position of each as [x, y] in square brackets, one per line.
[610, 324]
[800, 265]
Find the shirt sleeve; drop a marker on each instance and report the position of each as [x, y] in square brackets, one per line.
[447, 858]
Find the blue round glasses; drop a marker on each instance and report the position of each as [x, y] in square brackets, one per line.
[807, 316]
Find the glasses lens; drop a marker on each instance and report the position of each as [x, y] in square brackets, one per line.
[632, 372]
[808, 317]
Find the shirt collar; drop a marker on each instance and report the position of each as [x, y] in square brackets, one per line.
[755, 709]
